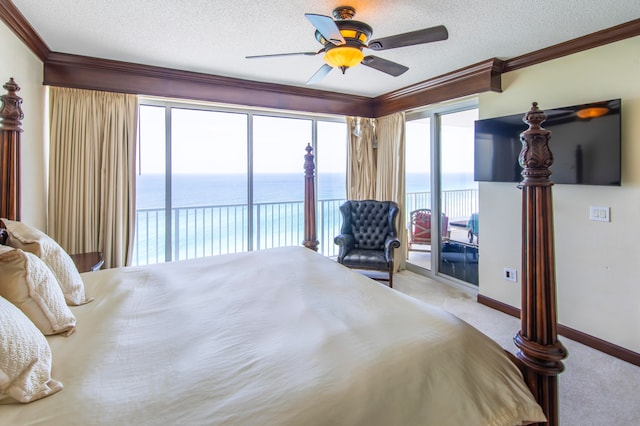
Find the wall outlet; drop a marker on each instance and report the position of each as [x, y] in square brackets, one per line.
[510, 274]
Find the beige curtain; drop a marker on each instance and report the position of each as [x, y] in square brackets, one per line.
[92, 172]
[390, 175]
[361, 159]
[376, 166]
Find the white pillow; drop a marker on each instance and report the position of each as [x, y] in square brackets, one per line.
[29, 284]
[25, 358]
[30, 239]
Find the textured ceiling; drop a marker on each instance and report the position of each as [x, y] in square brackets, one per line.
[214, 37]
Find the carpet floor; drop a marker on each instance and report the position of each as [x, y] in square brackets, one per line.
[595, 389]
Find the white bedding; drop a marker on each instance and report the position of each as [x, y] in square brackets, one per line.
[274, 337]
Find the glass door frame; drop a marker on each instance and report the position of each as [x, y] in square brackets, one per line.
[170, 104]
[435, 112]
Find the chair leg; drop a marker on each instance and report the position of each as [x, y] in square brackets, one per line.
[391, 278]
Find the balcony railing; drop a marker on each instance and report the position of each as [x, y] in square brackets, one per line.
[211, 230]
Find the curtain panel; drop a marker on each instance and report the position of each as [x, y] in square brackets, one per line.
[91, 199]
[390, 174]
[361, 159]
[376, 166]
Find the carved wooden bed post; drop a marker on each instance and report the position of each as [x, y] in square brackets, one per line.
[310, 236]
[539, 348]
[10, 122]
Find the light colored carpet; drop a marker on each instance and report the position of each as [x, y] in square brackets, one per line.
[595, 389]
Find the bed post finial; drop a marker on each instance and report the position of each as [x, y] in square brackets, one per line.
[11, 114]
[535, 156]
[310, 236]
[10, 129]
[538, 347]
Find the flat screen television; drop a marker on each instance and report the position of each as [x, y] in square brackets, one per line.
[585, 143]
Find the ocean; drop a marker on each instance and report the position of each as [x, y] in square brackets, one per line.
[210, 215]
[216, 189]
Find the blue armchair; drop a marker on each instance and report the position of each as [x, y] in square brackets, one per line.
[368, 236]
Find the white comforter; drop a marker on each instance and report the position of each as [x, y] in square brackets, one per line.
[276, 337]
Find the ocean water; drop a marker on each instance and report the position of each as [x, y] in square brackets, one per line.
[210, 214]
[211, 189]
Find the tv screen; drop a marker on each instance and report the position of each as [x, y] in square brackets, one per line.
[585, 143]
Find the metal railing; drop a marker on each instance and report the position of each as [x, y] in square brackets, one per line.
[219, 229]
[456, 204]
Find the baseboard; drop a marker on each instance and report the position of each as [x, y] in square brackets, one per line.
[570, 333]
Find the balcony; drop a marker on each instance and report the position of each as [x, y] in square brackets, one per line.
[220, 229]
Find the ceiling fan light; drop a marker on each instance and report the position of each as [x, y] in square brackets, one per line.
[343, 56]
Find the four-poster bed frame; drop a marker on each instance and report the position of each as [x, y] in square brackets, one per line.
[10, 129]
[540, 354]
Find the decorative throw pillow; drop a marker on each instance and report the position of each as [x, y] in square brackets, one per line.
[29, 284]
[30, 239]
[25, 358]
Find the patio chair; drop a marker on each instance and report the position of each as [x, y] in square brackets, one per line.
[474, 227]
[420, 229]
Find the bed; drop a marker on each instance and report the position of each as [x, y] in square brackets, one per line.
[279, 337]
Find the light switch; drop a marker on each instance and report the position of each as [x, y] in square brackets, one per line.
[599, 213]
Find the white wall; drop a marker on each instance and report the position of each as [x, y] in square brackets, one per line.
[597, 263]
[17, 61]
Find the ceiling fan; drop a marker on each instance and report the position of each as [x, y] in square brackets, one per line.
[343, 40]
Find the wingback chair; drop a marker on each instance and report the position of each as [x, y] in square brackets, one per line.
[368, 235]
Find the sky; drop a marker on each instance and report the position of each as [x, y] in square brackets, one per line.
[216, 142]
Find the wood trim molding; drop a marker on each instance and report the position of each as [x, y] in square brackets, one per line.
[570, 333]
[84, 72]
[600, 38]
[15, 20]
[476, 78]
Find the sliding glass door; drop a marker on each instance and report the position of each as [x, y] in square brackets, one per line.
[442, 197]
[458, 197]
[418, 188]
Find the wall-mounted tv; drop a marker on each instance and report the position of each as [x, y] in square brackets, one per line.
[585, 143]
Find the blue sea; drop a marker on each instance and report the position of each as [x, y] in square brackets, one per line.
[210, 214]
[216, 189]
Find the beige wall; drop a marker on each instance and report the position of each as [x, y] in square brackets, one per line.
[17, 61]
[597, 263]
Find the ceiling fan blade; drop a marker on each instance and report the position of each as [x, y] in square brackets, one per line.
[384, 65]
[327, 27]
[426, 35]
[282, 54]
[320, 74]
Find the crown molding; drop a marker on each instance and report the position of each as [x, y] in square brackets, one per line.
[84, 72]
[15, 20]
[600, 38]
[476, 78]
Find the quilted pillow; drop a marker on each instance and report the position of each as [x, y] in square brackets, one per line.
[25, 358]
[29, 284]
[30, 239]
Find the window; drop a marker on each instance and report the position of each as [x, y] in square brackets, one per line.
[221, 180]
